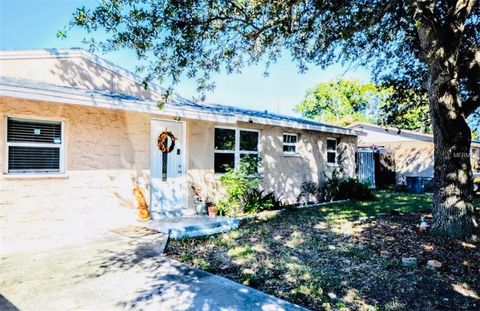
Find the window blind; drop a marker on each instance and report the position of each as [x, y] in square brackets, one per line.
[33, 146]
[33, 159]
[34, 131]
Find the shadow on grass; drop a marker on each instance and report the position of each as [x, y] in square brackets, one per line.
[303, 255]
[145, 279]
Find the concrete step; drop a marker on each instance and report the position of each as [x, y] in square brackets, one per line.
[204, 229]
[194, 226]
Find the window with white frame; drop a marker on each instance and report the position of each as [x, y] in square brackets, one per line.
[232, 146]
[331, 150]
[290, 142]
[34, 146]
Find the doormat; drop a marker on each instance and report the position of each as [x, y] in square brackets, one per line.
[134, 231]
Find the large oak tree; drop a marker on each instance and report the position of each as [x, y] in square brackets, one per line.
[433, 43]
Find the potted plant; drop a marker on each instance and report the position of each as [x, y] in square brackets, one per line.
[199, 202]
[212, 207]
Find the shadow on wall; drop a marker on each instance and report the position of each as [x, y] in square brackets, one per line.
[413, 161]
[82, 73]
[111, 141]
[286, 174]
[107, 153]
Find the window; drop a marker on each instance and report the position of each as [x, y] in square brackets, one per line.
[233, 145]
[34, 146]
[331, 151]
[290, 143]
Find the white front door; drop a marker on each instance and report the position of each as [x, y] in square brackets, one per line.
[167, 171]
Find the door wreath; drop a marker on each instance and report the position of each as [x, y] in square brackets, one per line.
[162, 142]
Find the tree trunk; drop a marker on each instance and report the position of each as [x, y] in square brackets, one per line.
[453, 211]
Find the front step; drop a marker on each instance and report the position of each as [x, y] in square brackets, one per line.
[183, 227]
[197, 231]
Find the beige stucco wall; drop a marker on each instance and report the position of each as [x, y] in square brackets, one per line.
[73, 72]
[107, 153]
[412, 159]
[282, 174]
[475, 159]
[416, 159]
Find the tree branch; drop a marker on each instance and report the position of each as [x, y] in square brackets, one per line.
[470, 105]
[461, 11]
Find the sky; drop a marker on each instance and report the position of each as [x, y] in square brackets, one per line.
[33, 24]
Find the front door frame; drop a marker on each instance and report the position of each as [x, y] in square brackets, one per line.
[184, 158]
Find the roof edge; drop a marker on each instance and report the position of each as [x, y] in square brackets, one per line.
[77, 52]
[476, 143]
[390, 128]
[66, 96]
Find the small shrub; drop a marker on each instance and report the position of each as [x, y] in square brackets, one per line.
[256, 201]
[242, 190]
[310, 193]
[338, 187]
[237, 183]
[354, 189]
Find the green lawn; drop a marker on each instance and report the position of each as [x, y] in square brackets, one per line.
[303, 255]
[385, 202]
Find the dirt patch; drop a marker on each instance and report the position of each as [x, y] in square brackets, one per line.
[308, 258]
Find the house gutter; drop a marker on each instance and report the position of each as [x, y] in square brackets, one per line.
[98, 101]
[76, 97]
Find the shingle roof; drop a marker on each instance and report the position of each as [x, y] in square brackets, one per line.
[232, 110]
[28, 88]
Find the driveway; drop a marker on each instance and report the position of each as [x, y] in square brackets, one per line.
[119, 273]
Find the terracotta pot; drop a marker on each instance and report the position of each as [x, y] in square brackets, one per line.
[212, 210]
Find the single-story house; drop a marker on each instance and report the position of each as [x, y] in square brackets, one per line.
[78, 133]
[412, 151]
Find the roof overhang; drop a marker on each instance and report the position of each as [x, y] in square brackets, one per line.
[63, 95]
[77, 98]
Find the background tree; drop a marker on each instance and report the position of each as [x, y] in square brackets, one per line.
[405, 108]
[341, 102]
[434, 43]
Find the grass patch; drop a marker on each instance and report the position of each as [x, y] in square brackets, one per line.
[240, 251]
[303, 255]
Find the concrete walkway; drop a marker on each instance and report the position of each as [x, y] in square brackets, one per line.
[119, 273]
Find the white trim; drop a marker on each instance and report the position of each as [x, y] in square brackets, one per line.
[78, 98]
[237, 152]
[336, 151]
[92, 100]
[295, 144]
[72, 96]
[183, 149]
[297, 125]
[5, 148]
[53, 175]
[34, 173]
[185, 165]
[361, 127]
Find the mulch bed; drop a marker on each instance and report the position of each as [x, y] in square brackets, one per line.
[311, 263]
[454, 286]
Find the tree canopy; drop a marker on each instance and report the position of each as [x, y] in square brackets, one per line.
[199, 37]
[420, 44]
[342, 102]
